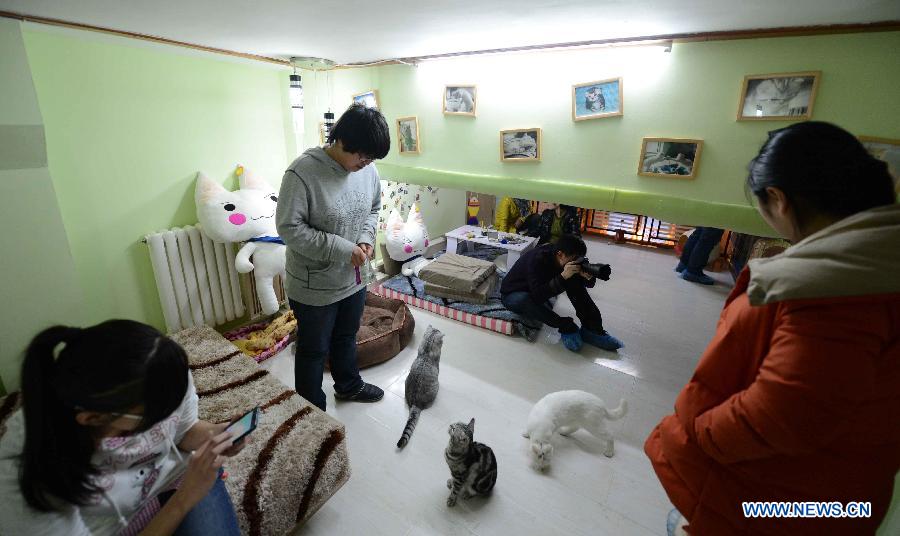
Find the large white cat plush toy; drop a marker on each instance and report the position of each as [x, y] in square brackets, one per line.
[246, 215]
[406, 242]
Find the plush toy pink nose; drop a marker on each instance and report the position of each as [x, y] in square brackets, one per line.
[237, 219]
[426, 242]
[407, 248]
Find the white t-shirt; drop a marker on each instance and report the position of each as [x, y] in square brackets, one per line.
[133, 470]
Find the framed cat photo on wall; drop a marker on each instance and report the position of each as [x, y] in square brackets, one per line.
[369, 99]
[408, 134]
[460, 100]
[596, 100]
[520, 145]
[676, 158]
[778, 97]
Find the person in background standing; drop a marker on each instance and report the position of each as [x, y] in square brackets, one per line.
[327, 215]
[696, 252]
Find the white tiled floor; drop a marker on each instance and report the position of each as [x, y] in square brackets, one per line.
[665, 323]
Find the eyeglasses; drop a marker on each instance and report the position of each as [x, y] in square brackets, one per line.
[128, 416]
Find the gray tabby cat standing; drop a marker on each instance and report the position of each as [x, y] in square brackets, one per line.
[473, 467]
[422, 381]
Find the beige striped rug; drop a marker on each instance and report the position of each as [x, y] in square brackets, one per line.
[297, 457]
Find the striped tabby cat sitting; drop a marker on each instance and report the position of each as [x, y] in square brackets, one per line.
[473, 467]
[422, 381]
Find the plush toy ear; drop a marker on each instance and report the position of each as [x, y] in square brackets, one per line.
[415, 214]
[394, 222]
[206, 189]
[249, 181]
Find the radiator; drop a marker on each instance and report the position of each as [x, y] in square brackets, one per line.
[195, 277]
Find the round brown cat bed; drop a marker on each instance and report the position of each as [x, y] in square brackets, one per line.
[386, 328]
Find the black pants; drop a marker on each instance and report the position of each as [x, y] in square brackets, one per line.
[585, 308]
[327, 331]
[698, 247]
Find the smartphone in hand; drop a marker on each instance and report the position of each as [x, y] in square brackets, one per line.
[242, 427]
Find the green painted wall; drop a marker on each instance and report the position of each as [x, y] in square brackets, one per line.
[128, 125]
[691, 92]
[39, 286]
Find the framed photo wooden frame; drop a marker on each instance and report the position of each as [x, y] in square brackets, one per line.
[778, 96]
[675, 158]
[521, 145]
[367, 98]
[597, 100]
[409, 139]
[460, 99]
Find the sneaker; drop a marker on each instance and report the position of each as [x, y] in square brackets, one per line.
[529, 332]
[680, 268]
[604, 341]
[572, 341]
[675, 523]
[366, 393]
[701, 278]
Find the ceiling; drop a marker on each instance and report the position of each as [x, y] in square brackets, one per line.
[352, 31]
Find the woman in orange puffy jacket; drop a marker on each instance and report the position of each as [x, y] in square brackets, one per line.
[797, 397]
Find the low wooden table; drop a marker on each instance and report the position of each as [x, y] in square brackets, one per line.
[458, 235]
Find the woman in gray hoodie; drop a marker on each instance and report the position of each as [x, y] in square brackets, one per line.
[327, 213]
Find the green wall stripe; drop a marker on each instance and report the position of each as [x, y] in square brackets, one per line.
[22, 147]
[741, 218]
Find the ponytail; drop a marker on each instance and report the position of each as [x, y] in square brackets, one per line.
[112, 367]
[57, 453]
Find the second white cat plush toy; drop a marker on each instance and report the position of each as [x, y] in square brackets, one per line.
[406, 242]
[246, 215]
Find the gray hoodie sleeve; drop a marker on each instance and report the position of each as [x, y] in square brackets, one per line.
[292, 220]
[367, 236]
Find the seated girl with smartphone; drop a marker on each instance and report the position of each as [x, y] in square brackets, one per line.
[108, 422]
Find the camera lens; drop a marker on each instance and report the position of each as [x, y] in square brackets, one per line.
[600, 271]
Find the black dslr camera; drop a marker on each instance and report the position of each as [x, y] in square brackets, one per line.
[600, 271]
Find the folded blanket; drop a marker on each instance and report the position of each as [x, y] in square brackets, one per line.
[457, 272]
[479, 295]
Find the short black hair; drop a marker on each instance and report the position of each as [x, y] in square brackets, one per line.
[571, 244]
[362, 130]
[822, 168]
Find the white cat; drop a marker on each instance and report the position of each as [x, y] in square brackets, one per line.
[565, 412]
[248, 215]
[406, 242]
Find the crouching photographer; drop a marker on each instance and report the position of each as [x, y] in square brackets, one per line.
[548, 271]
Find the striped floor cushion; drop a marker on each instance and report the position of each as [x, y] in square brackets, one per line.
[297, 457]
[506, 327]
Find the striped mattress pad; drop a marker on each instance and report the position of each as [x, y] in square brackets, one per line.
[491, 315]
